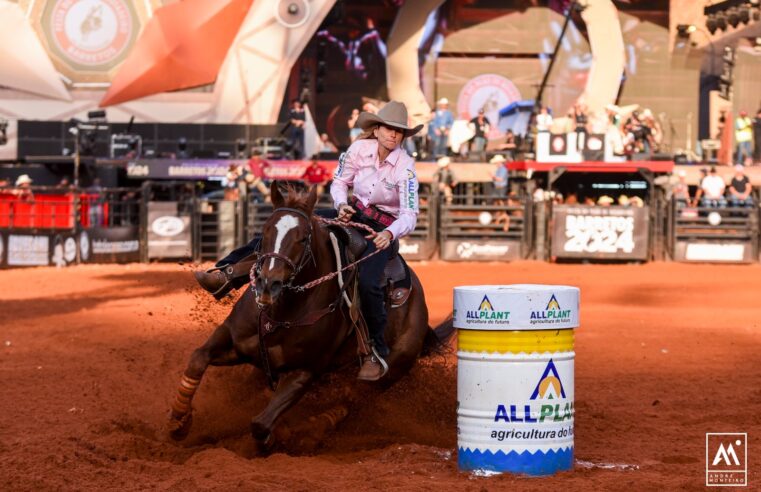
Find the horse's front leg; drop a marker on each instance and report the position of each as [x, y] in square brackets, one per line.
[289, 390]
[218, 351]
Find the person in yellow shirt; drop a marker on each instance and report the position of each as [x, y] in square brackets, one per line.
[743, 137]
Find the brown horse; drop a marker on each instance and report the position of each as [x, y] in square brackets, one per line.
[306, 332]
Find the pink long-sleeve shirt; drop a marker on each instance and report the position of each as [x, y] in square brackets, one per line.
[390, 185]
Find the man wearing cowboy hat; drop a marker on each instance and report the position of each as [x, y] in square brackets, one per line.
[441, 123]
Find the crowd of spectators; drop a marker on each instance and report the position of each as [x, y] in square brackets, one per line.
[713, 191]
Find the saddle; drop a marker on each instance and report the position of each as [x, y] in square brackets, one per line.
[396, 273]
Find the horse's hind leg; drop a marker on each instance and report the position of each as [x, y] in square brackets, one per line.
[218, 351]
[289, 390]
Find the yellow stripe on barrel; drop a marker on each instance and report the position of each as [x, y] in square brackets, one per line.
[515, 342]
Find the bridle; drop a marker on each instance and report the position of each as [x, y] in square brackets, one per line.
[306, 255]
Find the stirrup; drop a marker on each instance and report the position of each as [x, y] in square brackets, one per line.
[382, 361]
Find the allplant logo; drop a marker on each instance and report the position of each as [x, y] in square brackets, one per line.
[486, 313]
[551, 314]
[726, 460]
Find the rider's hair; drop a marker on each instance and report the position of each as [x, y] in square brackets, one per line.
[368, 134]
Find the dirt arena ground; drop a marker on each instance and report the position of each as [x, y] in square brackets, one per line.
[91, 356]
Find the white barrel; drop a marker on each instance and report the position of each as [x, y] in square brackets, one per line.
[515, 377]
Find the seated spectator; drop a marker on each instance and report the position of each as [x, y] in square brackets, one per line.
[713, 187]
[499, 176]
[624, 201]
[445, 179]
[636, 201]
[316, 175]
[4, 182]
[681, 191]
[699, 193]
[740, 189]
[510, 146]
[325, 146]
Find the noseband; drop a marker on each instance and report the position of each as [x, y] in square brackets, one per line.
[305, 256]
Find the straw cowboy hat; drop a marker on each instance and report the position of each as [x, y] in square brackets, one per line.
[443, 100]
[443, 161]
[497, 159]
[393, 114]
[23, 179]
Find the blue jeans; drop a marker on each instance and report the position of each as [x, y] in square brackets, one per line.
[713, 202]
[479, 144]
[440, 145]
[739, 202]
[744, 150]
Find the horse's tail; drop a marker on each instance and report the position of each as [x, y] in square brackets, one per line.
[437, 339]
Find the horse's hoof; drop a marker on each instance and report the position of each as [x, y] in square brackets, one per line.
[179, 428]
[264, 437]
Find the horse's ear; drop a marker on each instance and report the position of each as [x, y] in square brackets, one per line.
[312, 199]
[277, 198]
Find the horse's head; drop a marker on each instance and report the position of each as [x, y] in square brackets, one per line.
[286, 243]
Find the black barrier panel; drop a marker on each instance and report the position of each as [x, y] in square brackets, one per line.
[714, 234]
[110, 245]
[169, 233]
[597, 232]
[484, 228]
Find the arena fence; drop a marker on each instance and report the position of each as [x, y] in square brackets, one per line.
[42, 226]
[713, 234]
[480, 227]
[178, 221]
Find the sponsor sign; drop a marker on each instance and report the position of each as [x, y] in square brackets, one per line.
[113, 245]
[415, 249]
[515, 307]
[600, 232]
[168, 231]
[202, 169]
[480, 250]
[28, 250]
[718, 252]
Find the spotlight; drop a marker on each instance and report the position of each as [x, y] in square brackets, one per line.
[293, 9]
[733, 16]
[721, 21]
[711, 24]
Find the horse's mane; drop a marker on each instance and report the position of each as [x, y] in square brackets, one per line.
[297, 198]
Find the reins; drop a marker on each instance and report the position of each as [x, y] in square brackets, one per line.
[295, 269]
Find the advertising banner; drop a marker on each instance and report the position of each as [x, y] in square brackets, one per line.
[113, 245]
[619, 233]
[415, 249]
[714, 252]
[39, 248]
[467, 249]
[169, 234]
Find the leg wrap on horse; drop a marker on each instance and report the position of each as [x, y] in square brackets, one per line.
[185, 393]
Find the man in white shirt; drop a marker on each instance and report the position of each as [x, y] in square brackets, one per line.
[543, 120]
[713, 187]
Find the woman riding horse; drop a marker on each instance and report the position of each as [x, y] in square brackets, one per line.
[385, 198]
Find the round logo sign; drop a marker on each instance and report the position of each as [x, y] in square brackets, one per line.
[489, 92]
[91, 32]
[84, 246]
[168, 226]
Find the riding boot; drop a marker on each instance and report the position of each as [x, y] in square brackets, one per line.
[220, 280]
[372, 298]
